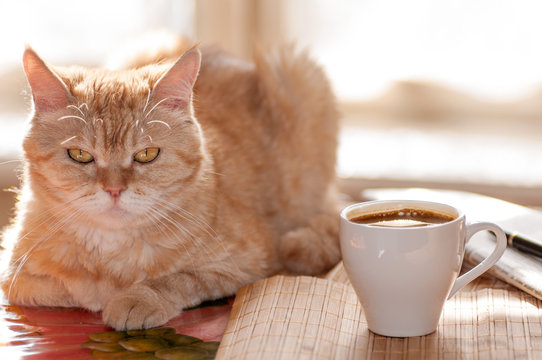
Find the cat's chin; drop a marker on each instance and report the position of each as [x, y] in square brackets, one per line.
[115, 218]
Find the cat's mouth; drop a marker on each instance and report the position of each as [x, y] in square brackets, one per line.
[114, 217]
[116, 210]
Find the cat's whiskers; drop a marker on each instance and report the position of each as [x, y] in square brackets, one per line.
[46, 217]
[72, 117]
[157, 216]
[159, 122]
[26, 256]
[210, 231]
[155, 105]
[201, 244]
[56, 226]
[202, 224]
[147, 101]
[77, 108]
[180, 227]
[22, 260]
[10, 161]
[181, 214]
[59, 212]
[68, 140]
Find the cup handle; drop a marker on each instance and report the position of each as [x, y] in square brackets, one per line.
[487, 262]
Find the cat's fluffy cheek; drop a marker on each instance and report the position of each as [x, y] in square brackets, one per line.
[138, 307]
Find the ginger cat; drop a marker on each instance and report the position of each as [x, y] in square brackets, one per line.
[148, 190]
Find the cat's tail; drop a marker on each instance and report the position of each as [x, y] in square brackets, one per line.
[291, 81]
[300, 102]
[302, 116]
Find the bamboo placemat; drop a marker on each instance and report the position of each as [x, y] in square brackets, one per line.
[286, 317]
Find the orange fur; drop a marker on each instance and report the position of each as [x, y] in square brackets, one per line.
[242, 187]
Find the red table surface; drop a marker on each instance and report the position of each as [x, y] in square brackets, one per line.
[57, 333]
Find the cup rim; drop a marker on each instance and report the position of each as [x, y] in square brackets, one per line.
[456, 213]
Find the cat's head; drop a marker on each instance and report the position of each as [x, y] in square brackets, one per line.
[113, 148]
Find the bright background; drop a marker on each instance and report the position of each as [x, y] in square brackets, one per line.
[488, 48]
[433, 93]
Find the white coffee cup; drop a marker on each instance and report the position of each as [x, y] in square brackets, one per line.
[403, 275]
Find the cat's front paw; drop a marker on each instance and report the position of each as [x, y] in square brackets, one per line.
[137, 308]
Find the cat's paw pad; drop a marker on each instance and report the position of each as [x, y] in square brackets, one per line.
[138, 308]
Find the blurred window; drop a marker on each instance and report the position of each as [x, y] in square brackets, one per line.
[433, 93]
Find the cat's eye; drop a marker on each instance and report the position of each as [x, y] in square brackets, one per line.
[147, 155]
[80, 155]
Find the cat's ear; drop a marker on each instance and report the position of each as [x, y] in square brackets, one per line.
[48, 90]
[174, 89]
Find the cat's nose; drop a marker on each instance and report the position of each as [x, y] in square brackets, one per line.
[114, 191]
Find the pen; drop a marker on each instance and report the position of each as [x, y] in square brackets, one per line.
[525, 244]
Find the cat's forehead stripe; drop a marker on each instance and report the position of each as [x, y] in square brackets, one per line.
[103, 90]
